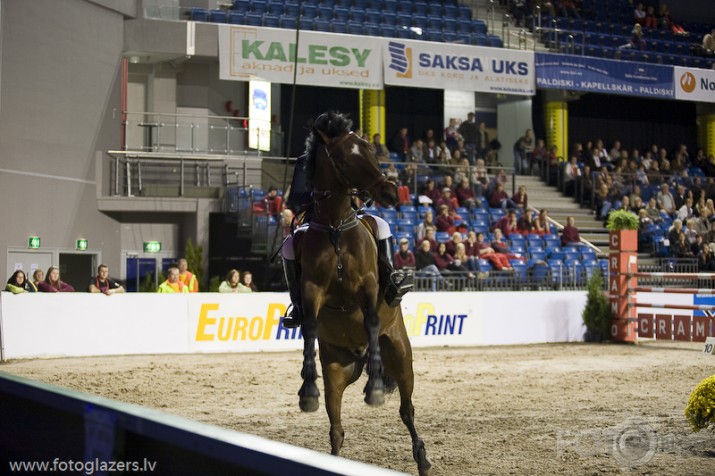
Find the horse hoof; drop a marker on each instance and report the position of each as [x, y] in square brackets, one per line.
[375, 398]
[309, 404]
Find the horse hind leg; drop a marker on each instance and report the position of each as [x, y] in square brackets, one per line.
[375, 388]
[397, 355]
[309, 392]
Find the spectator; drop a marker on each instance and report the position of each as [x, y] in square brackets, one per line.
[679, 197]
[650, 20]
[467, 262]
[500, 246]
[665, 200]
[444, 221]
[469, 132]
[667, 23]
[400, 144]
[425, 263]
[706, 258]
[709, 43]
[681, 247]
[471, 247]
[18, 283]
[427, 222]
[102, 283]
[404, 258]
[498, 260]
[521, 199]
[451, 134]
[639, 14]
[568, 9]
[187, 277]
[523, 148]
[247, 280]
[636, 41]
[702, 224]
[432, 192]
[691, 234]
[447, 199]
[479, 178]
[431, 152]
[173, 284]
[232, 283]
[674, 231]
[274, 203]
[446, 263]
[508, 224]
[570, 235]
[53, 283]
[417, 152]
[37, 277]
[541, 224]
[466, 196]
[540, 154]
[500, 199]
[525, 225]
[454, 240]
[430, 235]
[686, 211]
[378, 148]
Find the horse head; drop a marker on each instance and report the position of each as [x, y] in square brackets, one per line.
[350, 163]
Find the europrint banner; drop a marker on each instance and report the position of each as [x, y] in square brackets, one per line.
[322, 59]
[421, 64]
[580, 73]
[692, 84]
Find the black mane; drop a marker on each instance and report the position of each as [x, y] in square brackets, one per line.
[332, 124]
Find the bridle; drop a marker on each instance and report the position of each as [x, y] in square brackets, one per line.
[363, 194]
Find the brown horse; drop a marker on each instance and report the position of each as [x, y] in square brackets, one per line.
[342, 303]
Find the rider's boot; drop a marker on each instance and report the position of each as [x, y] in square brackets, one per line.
[395, 282]
[292, 275]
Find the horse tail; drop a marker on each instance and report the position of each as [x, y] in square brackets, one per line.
[390, 383]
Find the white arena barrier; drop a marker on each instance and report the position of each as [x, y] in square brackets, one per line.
[80, 324]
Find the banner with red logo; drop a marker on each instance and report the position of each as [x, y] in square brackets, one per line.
[692, 84]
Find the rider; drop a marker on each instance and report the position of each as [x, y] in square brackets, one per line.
[395, 282]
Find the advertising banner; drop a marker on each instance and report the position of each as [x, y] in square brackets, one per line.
[693, 84]
[421, 64]
[322, 59]
[82, 324]
[580, 73]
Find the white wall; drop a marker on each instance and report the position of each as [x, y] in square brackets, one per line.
[79, 324]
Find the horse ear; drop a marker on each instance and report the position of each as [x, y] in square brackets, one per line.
[323, 136]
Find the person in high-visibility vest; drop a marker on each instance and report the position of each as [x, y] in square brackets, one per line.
[187, 277]
[172, 283]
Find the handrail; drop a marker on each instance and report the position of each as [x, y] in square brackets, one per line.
[559, 226]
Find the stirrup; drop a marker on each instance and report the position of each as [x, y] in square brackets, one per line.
[293, 318]
[400, 284]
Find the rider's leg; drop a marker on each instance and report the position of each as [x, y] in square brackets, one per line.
[395, 282]
[291, 270]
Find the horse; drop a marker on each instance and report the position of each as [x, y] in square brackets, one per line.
[342, 303]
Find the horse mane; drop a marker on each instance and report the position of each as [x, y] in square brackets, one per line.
[332, 124]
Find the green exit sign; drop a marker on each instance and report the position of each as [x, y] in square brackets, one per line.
[82, 244]
[33, 242]
[152, 246]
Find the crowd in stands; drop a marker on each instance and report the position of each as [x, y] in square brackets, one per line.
[671, 191]
[178, 280]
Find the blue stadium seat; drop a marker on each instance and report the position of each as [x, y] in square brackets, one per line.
[287, 21]
[339, 27]
[199, 14]
[218, 16]
[479, 26]
[271, 21]
[357, 15]
[442, 236]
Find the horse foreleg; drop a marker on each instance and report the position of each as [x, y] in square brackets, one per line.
[340, 369]
[309, 392]
[375, 388]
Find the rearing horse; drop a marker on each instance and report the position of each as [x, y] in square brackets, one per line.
[342, 303]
